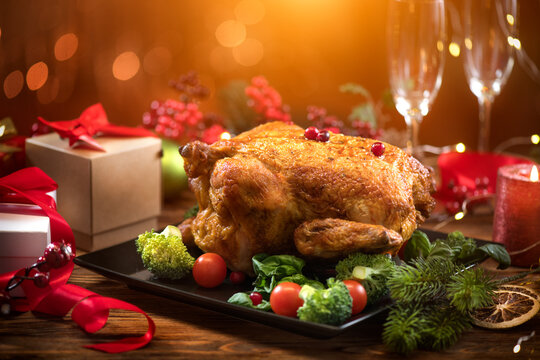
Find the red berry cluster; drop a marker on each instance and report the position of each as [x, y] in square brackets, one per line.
[190, 87]
[319, 117]
[312, 133]
[183, 121]
[55, 256]
[461, 193]
[266, 101]
[39, 128]
[364, 129]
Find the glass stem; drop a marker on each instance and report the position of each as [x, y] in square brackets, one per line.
[413, 121]
[484, 104]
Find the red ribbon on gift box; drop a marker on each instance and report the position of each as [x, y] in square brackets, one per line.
[90, 310]
[93, 121]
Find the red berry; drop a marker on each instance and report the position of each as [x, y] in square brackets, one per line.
[237, 277]
[460, 192]
[323, 136]
[54, 256]
[377, 148]
[311, 133]
[42, 264]
[453, 207]
[482, 183]
[41, 280]
[256, 298]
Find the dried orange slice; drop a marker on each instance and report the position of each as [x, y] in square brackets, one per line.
[522, 289]
[511, 308]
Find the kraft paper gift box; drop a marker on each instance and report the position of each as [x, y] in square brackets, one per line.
[106, 197]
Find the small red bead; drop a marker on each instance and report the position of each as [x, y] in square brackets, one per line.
[311, 133]
[256, 298]
[237, 277]
[377, 148]
[323, 136]
[41, 280]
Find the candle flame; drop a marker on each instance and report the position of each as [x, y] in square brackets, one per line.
[534, 174]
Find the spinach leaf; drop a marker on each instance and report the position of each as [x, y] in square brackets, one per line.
[417, 246]
[271, 269]
[302, 280]
[498, 253]
[242, 298]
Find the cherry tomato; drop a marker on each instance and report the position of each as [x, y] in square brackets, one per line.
[358, 294]
[209, 270]
[284, 299]
[237, 277]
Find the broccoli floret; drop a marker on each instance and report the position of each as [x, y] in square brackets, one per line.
[372, 270]
[164, 254]
[330, 306]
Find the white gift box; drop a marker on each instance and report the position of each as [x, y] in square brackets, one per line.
[24, 234]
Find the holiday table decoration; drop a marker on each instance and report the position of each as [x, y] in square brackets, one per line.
[11, 148]
[45, 282]
[108, 196]
[517, 213]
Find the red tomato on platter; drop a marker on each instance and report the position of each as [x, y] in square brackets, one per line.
[284, 299]
[358, 294]
[209, 270]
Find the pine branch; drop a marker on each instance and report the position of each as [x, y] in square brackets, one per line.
[471, 289]
[403, 328]
[444, 327]
[422, 280]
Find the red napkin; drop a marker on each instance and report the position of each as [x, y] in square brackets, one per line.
[90, 310]
[93, 121]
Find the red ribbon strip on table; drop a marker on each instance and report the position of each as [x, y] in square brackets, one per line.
[90, 310]
[93, 121]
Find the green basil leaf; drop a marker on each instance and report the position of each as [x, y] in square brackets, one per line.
[498, 253]
[242, 298]
[417, 246]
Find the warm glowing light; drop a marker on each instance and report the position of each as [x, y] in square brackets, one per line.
[66, 46]
[510, 19]
[517, 348]
[225, 135]
[454, 49]
[126, 65]
[13, 84]
[221, 59]
[517, 44]
[468, 43]
[2, 130]
[157, 61]
[510, 40]
[534, 174]
[460, 148]
[460, 215]
[249, 12]
[37, 75]
[535, 139]
[440, 45]
[230, 33]
[249, 53]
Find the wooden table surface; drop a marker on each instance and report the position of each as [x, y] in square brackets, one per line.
[185, 331]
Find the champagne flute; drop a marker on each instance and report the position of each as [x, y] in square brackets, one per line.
[488, 56]
[416, 32]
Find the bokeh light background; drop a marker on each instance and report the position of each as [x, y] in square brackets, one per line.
[59, 56]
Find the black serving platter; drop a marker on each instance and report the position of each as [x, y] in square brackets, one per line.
[121, 262]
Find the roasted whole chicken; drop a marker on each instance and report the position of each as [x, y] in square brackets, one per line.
[271, 190]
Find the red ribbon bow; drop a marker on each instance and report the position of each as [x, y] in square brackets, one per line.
[90, 310]
[93, 121]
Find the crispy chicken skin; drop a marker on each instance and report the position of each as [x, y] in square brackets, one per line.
[271, 190]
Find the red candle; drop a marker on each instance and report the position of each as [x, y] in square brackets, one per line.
[517, 213]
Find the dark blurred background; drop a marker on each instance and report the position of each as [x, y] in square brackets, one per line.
[60, 56]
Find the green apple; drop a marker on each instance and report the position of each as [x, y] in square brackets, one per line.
[174, 178]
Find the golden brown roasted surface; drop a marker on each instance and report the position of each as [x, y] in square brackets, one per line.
[256, 189]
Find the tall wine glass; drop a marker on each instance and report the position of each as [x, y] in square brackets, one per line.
[416, 37]
[488, 56]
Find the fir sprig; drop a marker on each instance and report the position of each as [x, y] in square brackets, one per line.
[443, 328]
[403, 328]
[421, 280]
[471, 289]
